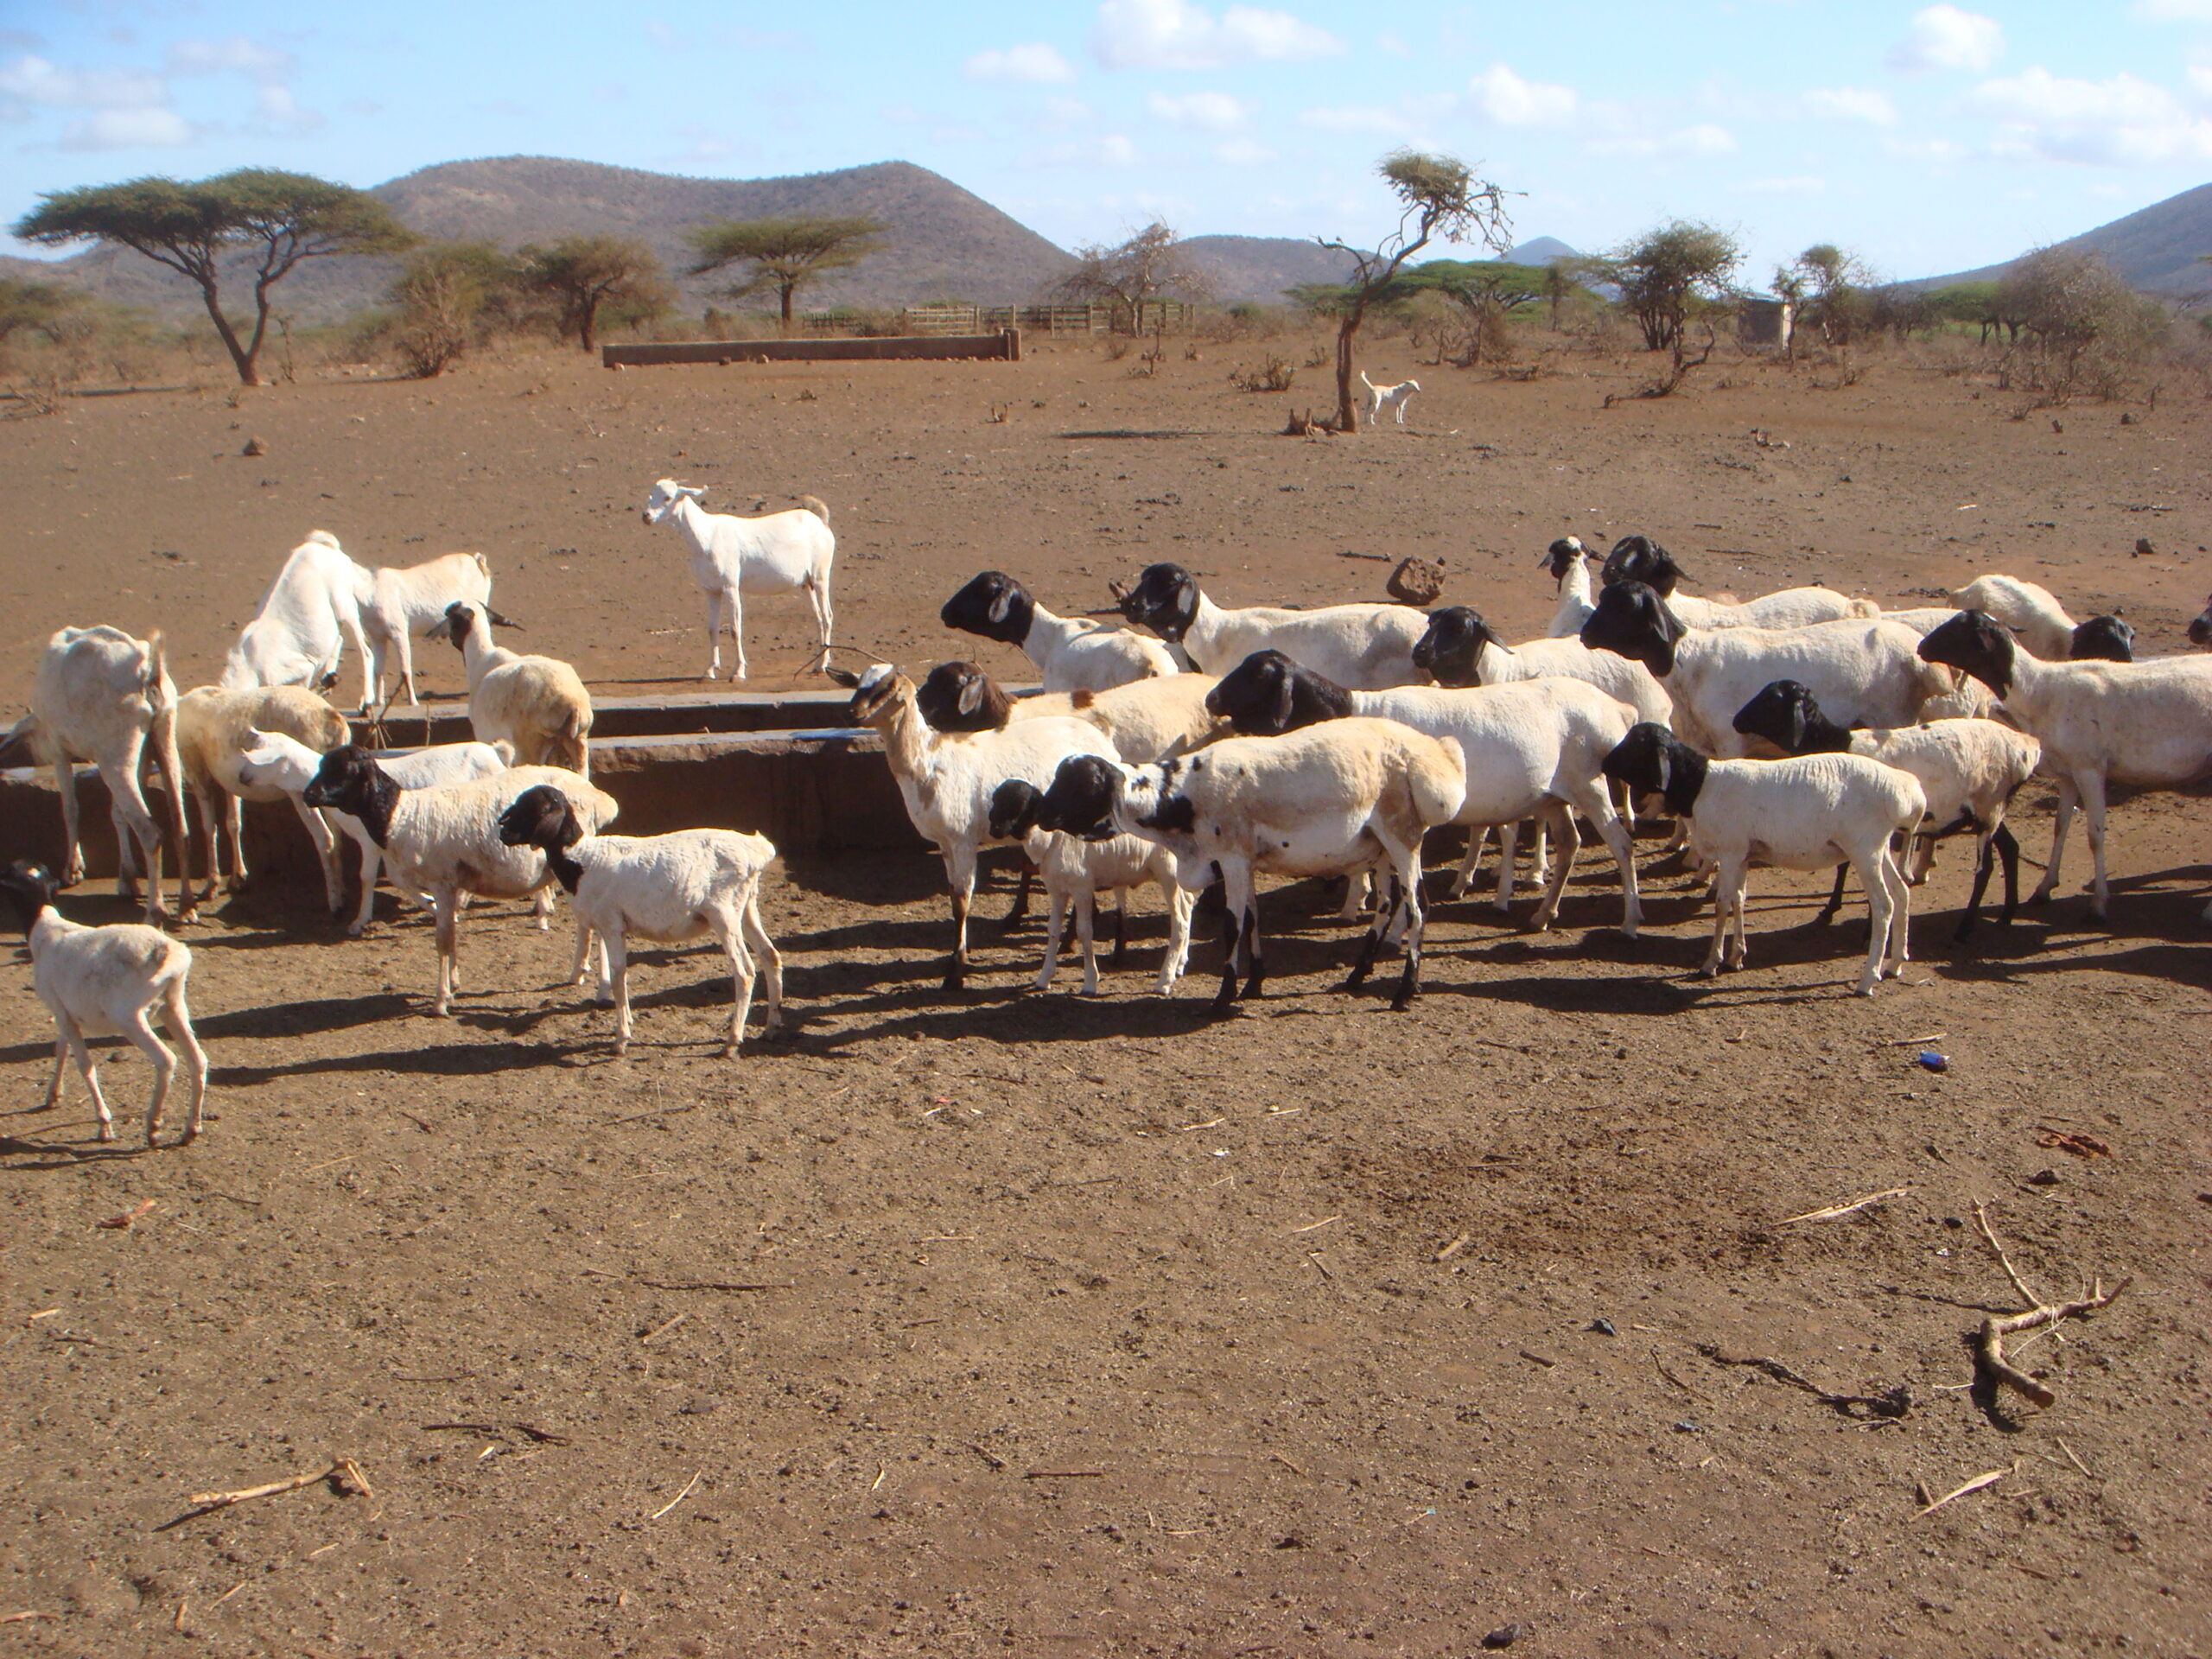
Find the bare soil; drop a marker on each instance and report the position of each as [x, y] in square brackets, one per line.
[1001, 1322]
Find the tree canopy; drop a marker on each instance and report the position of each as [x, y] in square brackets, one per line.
[1147, 266]
[785, 254]
[35, 306]
[591, 279]
[271, 219]
[1660, 272]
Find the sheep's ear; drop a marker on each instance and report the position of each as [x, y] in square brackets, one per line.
[971, 693]
[843, 677]
[1797, 719]
[1284, 693]
[698, 494]
[497, 621]
[1002, 603]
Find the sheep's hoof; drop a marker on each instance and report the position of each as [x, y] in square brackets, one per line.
[1357, 977]
[107, 1133]
[729, 1051]
[1402, 1001]
[956, 981]
[190, 1134]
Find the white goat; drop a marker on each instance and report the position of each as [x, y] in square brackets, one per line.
[2148, 724]
[947, 778]
[536, 705]
[1077, 871]
[1362, 647]
[405, 602]
[1328, 800]
[445, 841]
[1393, 397]
[1804, 814]
[777, 553]
[312, 612]
[274, 760]
[1569, 563]
[99, 982]
[674, 887]
[1532, 750]
[1071, 654]
[101, 695]
[214, 729]
[2030, 611]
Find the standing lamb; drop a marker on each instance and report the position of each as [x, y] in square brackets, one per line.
[1638, 559]
[1077, 871]
[215, 730]
[1365, 648]
[310, 615]
[779, 553]
[536, 705]
[404, 603]
[1071, 654]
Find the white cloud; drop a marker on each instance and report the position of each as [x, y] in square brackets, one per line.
[1243, 152]
[238, 54]
[1356, 117]
[2123, 121]
[1176, 35]
[1945, 37]
[1034, 63]
[2200, 80]
[1851, 104]
[1702, 140]
[1206, 111]
[276, 105]
[1112, 149]
[1389, 41]
[36, 80]
[1803, 184]
[1061, 112]
[2173, 11]
[128, 129]
[1501, 96]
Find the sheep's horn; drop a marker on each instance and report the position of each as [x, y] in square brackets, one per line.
[1120, 590]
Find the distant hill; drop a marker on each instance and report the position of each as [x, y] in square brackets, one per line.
[1541, 250]
[2156, 250]
[943, 242]
[1265, 267]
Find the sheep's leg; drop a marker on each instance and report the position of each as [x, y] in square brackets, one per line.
[61, 1063]
[1737, 949]
[371, 862]
[2061, 821]
[1056, 908]
[582, 965]
[1900, 929]
[1181, 902]
[1508, 840]
[960, 873]
[132, 820]
[735, 605]
[2008, 848]
[1556, 814]
[1922, 848]
[730, 927]
[1540, 856]
[1416, 925]
[817, 591]
[1834, 905]
[73, 1034]
[141, 1032]
[1086, 911]
[1875, 876]
[771, 962]
[713, 633]
[234, 810]
[1236, 894]
[1120, 929]
[1255, 961]
[325, 852]
[1019, 909]
[349, 629]
[448, 939]
[204, 804]
[404, 639]
[177, 1016]
[1597, 805]
[1724, 895]
[618, 964]
[1356, 895]
[2093, 811]
[1386, 913]
[65, 783]
[1478, 838]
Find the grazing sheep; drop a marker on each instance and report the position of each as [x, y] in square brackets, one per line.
[99, 982]
[1077, 871]
[1071, 654]
[1569, 563]
[445, 840]
[1329, 800]
[1804, 814]
[1638, 559]
[2148, 724]
[101, 695]
[536, 705]
[214, 729]
[406, 602]
[947, 778]
[2030, 611]
[274, 760]
[777, 553]
[311, 613]
[673, 888]
[1392, 397]
[1969, 770]
[1364, 647]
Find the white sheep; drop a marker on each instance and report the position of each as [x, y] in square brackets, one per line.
[1071, 654]
[1569, 563]
[311, 613]
[777, 553]
[1532, 750]
[405, 602]
[2031, 611]
[102, 696]
[1145, 719]
[946, 780]
[1638, 559]
[1077, 871]
[445, 841]
[99, 982]
[674, 888]
[214, 729]
[2148, 724]
[1862, 672]
[1328, 800]
[536, 705]
[1969, 769]
[1802, 814]
[1362, 647]
[276, 760]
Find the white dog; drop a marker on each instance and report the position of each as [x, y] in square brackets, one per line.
[1382, 397]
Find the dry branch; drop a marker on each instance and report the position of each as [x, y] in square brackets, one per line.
[1895, 1403]
[1989, 1478]
[344, 1470]
[1853, 1207]
[1989, 1341]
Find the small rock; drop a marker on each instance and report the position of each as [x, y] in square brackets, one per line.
[2145, 548]
[2043, 1178]
[1506, 1635]
[697, 1406]
[1603, 1327]
[254, 446]
[1688, 1426]
[1931, 1061]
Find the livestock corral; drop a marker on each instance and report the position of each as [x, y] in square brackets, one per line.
[1570, 1301]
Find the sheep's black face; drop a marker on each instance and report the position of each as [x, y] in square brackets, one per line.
[1562, 556]
[1638, 559]
[995, 606]
[540, 816]
[460, 617]
[1781, 713]
[2200, 632]
[1975, 643]
[28, 888]
[1651, 760]
[960, 697]
[1255, 696]
[342, 780]
[1451, 651]
[2104, 638]
[1631, 620]
[1080, 801]
[1164, 599]
[872, 691]
[1015, 805]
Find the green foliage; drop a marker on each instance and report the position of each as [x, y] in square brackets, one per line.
[783, 255]
[38, 307]
[452, 297]
[1660, 273]
[595, 282]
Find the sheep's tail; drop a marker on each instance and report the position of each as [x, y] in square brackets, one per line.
[505, 751]
[1440, 789]
[323, 537]
[1864, 608]
[815, 505]
[1364, 381]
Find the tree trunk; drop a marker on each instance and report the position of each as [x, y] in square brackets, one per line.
[1347, 408]
[243, 359]
[588, 322]
[788, 289]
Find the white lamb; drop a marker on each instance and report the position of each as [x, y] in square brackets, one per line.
[100, 981]
[214, 729]
[445, 841]
[1145, 719]
[2030, 611]
[777, 553]
[312, 612]
[674, 888]
[404, 603]
[1638, 559]
[1804, 814]
[274, 760]
[1362, 647]
[536, 705]
[1071, 654]
[1569, 563]
[1077, 871]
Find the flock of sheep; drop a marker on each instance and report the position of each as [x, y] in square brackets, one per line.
[1802, 728]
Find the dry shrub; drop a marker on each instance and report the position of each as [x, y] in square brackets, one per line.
[1273, 375]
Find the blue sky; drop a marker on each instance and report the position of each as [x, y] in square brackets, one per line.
[1929, 138]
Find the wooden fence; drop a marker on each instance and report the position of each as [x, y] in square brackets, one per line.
[1004, 347]
[1042, 319]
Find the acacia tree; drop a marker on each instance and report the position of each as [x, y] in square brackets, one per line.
[1836, 283]
[273, 219]
[588, 275]
[785, 254]
[1438, 195]
[38, 307]
[1126, 275]
[1660, 272]
[1486, 292]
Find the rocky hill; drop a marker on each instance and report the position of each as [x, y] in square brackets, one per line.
[2159, 249]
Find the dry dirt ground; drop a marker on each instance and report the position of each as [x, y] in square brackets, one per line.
[996, 1322]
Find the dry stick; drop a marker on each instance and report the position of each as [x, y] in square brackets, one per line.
[718, 1284]
[17, 1618]
[1065, 1474]
[1896, 1403]
[1909, 1042]
[1981, 1220]
[1989, 1342]
[342, 1468]
[663, 1330]
[2075, 1461]
[1989, 1478]
[995, 1463]
[679, 1497]
[1453, 1249]
[1835, 1210]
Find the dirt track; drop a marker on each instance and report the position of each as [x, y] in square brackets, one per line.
[1087, 1327]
